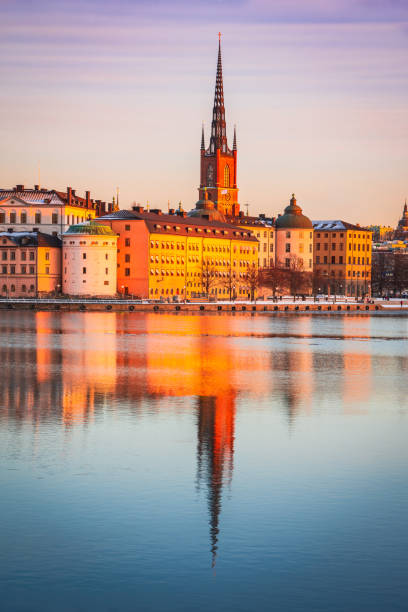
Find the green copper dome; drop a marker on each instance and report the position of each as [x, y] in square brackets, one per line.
[293, 217]
[90, 228]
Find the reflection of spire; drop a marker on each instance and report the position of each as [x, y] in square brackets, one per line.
[215, 451]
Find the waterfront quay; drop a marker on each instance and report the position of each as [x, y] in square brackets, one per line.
[130, 305]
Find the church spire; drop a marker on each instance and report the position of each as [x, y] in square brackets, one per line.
[234, 146]
[218, 131]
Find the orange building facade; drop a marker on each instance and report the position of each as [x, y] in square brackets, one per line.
[342, 258]
[161, 256]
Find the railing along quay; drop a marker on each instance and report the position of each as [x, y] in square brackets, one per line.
[130, 305]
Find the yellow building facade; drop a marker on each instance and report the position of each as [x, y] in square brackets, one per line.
[160, 256]
[342, 258]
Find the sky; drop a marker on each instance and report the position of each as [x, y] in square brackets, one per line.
[98, 94]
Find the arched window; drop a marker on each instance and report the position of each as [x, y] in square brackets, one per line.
[226, 176]
[23, 288]
[12, 288]
[210, 175]
[31, 288]
[4, 289]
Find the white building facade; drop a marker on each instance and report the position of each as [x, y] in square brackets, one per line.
[89, 260]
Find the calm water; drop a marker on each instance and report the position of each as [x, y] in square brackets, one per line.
[167, 462]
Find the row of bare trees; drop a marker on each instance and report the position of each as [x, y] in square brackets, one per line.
[228, 280]
[293, 278]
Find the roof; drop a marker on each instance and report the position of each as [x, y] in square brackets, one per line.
[31, 239]
[167, 224]
[258, 222]
[335, 225]
[35, 197]
[90, 228]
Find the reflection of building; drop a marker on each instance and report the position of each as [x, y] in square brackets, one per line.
[218, 162]
[342, 253]
[89, 260]
[30, 264]
[215, 449]
[46, 210]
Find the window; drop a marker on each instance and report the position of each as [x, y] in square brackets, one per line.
[106, 256]
[318, 246]
[4, 255]
[127, 242]
[127, 228]
[106, 270]
[47, 270]
[31, 288]
[37, 217]
[271, 248]
[12, 269]
[310, 263]
[326, 246]
[23, 269]
[318, 259]
[13, 217]
[310, 247]
[4, 269]
[287, 234]
[341, 259]
[301, 248]
[83, 270]
[333, 259]
[31, 269]
[54, 218]
[127, 271]
[31, 255]
[325, 259]
[106, 282]
[12, 255]
[265, 247]
[226, 176]
[287, 262]
[333, 247]
[287, 247]
[127, 258]
[23, 288]
[23, 255]
[47, 257]
[12, 288]
[2, 217]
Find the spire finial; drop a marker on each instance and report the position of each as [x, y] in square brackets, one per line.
[202, 137]
[219, 37]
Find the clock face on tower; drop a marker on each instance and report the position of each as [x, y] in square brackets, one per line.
[227, 196]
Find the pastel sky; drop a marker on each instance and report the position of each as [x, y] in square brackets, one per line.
[113, 93]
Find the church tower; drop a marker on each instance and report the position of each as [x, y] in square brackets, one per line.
[219, 163]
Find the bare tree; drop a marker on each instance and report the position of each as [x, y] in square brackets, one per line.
[299, 279]
[274, 277]
[208, 276]
[252, 280]
[228, 282]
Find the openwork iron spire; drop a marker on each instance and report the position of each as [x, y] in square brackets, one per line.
[218, 131]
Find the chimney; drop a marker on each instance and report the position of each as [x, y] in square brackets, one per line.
[69, 196]
[138, 209]
[110, 206]
[88, 199]
[36, 187]
[19, 187]
[171, 211]
[156, 211]
[73, 191]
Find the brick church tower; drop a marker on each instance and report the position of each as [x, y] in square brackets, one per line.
[218, 163]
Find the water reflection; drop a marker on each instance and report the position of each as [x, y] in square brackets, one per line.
[67, 368]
